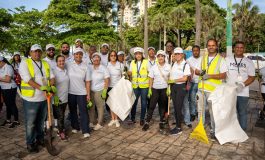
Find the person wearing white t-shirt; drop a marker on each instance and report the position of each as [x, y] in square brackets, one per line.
[61, 98]
[99, 86]
[158, 77]
[178, 77]
[50, 53]
[8, 90]
[79, 92]
[115, 69]
[190, 104]
[65, 51]
[104, 54]
[241, 72]
[212, 71]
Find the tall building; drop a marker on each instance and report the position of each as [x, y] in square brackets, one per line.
[150, 3]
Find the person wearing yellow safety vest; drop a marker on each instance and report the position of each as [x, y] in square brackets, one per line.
[140, 82]
[212, 73]
[37, 78]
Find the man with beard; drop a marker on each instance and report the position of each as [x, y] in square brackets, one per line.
[65, 51]
[50, 53]
[104, 53]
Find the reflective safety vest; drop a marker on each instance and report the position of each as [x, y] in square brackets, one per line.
[140, 77]
[26, 89]
[213, 68]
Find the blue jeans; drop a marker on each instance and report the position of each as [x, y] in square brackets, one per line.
[80, 100]
[35, 115]
[143, 93]
[242, 111]
[190, 104]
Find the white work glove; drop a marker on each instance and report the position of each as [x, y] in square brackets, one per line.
[205, 77]
[240, 86]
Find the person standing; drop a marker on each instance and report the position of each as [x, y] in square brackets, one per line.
[212, 70]
[16, 60]
[79, 92]
[65, 51]
[179, 74]
[104, 53]
[99, 86]
[9, 90]
[190, 104]
[37, 78]
[140, 82]
[91, 51]
[169, 50]
[241, 72]
[158, 93]
[61, 98]
[115, 69]
[50, 53]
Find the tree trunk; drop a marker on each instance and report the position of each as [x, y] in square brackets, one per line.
[121, 27]
[179, 37]
[159, 46]
[198, 23]
[165, 37]
[145, 28]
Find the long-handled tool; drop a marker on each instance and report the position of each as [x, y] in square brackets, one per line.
[261, 119]
[48, 139]
[199, 132]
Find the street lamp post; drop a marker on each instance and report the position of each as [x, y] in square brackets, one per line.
[229, 28]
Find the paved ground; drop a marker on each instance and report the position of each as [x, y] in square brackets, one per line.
[132, 143]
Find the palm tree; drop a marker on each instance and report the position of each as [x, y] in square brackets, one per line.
[245, 17]
[145, 27]
[198, 23]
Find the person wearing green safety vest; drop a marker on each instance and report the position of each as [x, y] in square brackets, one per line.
[37, 79]
[140, 82]
[212, 71]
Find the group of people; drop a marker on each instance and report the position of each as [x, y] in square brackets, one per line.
[82, 81]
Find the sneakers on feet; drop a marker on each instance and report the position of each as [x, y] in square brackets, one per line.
[145, 127]
[86, 135]
[111, 123]
[91, 125]
[176, 131]
[212, 137]
[141, 122]
[62, 136]
[189, 125]
[74, 131]
[117, 123]
[98, 127]
[14, 124]
[6, 122]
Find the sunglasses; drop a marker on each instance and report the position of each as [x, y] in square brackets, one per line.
[51, 49]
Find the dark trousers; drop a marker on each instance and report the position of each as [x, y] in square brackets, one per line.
[80, 100]
[107, 107]
[9, 96]
[178, 92]
[158, 96]
[139, 92]
[263, 95]
[58, 113]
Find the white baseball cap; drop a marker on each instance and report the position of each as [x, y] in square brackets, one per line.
[1, 58]
[16, 53]
[120, 53]
[49, 46]
[96, 54]
[105, 44]
[78, 40]
[76, 50]
[178, 50]
[138, 49]
[35, 47]
[161, 52]
[151, 48]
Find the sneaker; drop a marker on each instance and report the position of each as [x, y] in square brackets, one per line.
[32, 148]
[74, 131]
[62, 136]
[91, 125]
[6, 122]
[192, 118]
[117, 123]
[55, 129]
[86, 135]
[14, 124]
[98, 127]
[141, 122]
[176, 131]
[189, 125]
[111, 123]
[212, 137]
[145, 127]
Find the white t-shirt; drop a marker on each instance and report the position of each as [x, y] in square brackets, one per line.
[7, 70]
[87, 59]
[115, 72]
[78, 74]
[246, 68]
[177, 71]
[25, 75]
[262, 72]
[193, 62]
[151, 63]
[160, 81]
[51, 62]
[104, 59]
[98, 76]
[62, 83]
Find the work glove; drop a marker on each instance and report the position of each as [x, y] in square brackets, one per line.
[104, 94]
[149, 93]
[171, 81]
[258, 76]
[202, 72]
[89, 104]
[205, 77]
[56, 100]
[168, 91]
[45, 88]
[240, 86]
[53, 89]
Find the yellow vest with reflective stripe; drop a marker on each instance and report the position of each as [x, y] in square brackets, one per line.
[214, 68]
[140, 79]
[26, 89]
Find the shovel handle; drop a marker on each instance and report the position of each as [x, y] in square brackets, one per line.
[48, 97]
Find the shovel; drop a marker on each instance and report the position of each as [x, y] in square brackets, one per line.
[48, 139]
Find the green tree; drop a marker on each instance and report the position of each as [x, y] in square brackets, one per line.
[198, 22]
[5, 22]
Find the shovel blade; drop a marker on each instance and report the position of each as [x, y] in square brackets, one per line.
[49, 145]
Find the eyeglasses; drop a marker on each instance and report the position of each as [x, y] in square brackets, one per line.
[51, 49]
[169, 46]
[112, 55]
